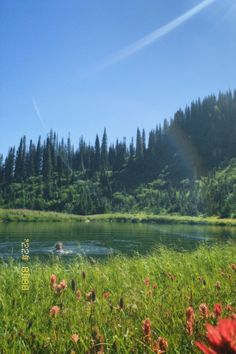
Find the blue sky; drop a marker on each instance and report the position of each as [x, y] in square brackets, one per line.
[56, 69]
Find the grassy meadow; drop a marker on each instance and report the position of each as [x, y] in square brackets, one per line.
[25, 215]
[121, 305]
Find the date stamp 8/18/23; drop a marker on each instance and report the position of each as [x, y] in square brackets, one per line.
[25, 271]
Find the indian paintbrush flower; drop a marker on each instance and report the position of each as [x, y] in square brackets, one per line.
[217, 309]
[53, 279]
[221, 338]
[54, 310]
[190, 316]
[75, 338]
[203, 311]
[146, 325]
[160, 345]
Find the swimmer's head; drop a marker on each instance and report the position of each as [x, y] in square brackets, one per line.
[59, 246]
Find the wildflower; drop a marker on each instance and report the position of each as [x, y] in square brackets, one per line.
[106, 294]
[91, 296]
[147, 282]
[63, 284]
[204, 311]
[78, 294]
[160, 345]
[190, 316]
[53, 279]
[233, 266]
[218, 285]
[147, 329]
[75, 338]
[54, 310]
[190, 313]
[229, 308]
[155, 286]
[217, 309]
[221, 338]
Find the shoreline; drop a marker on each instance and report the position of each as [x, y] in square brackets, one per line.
[25, 215]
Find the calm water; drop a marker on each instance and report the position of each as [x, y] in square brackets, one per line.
[102, 239]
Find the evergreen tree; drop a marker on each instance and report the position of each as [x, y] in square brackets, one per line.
[104, 153]
[139, 145]
[97, 161]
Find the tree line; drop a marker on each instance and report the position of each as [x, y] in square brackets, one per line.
[191, 146]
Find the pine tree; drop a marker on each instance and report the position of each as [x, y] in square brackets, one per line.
[104, 153]
[97, 161]
[139, 145]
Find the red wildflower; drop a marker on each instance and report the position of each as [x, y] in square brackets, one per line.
[147, 329]
[147, 281]
[75, 338]
[63, 284]
[54, 310]
[106, 294]
[160, 345]
[204, 311]
[221, 338]
[233, 266]
[229, 308]
[190, 316]
[190, 313]
[217, 309]
[53, 279]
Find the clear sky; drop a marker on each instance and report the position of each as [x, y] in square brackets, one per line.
[79, 65]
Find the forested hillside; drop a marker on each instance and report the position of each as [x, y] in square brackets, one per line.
[184, 166]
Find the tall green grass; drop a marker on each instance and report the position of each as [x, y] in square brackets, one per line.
[24, 215]
[183, 279]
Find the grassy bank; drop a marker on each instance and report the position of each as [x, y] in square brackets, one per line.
[20, 215]
[125, 292]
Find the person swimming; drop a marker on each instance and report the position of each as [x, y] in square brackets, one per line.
[59, 248]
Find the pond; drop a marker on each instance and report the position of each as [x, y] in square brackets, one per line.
[103, 239]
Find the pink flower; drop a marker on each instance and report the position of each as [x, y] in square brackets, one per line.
[160, 345]
[54, 310]
[204, 311]
[190, 316]
[147, 329]
[217, 309]
[75, 338]
[222, 338]
[63, 284]
[233, 266]
[106, 294]
[53, 279]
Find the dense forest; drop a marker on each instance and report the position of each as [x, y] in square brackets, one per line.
[186, 165]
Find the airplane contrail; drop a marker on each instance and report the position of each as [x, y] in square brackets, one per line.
[38, 114]
[160, 32]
